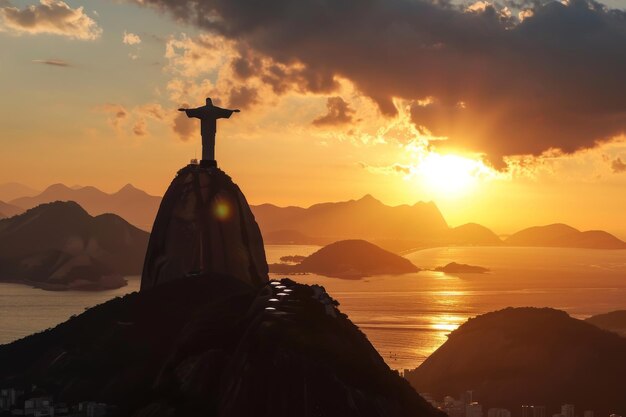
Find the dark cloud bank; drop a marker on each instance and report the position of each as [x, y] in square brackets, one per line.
[498, 85]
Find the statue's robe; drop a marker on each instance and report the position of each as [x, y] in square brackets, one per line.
[208, 116]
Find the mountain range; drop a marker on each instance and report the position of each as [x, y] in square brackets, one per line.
[134, 205]
[12, 190]
[60, 246]
[614, 321]
[562, 235]
[396, 228]
[9, 210]
[537, 356]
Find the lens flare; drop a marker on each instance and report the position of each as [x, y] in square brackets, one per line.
[222, 210]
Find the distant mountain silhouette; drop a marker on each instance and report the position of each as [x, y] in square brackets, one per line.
[562, 235]
[134, 205]
[472, 234]
[529, 356]
[454, 267]
[399, 229]
[350, 259]
[615, 321]
[291, 237]
[59, 245]
[12, 190]
[9, 210]
[209, 346]
[366, 218]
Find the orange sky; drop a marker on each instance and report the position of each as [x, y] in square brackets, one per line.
[101, 110]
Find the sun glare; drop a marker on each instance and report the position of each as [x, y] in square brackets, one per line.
[450, 175]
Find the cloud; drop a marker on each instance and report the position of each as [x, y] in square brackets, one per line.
[131, 38]
[49, 17]
[192, 57]
[183, 127]
[201, 67]
[523, 73]
[397, 169]
[338, 113]
[242, 97]
[53, 62]
[135, 120]
[117, 114]
[140, 128]
[618, 166]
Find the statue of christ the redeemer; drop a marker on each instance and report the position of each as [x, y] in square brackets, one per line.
[208, 116]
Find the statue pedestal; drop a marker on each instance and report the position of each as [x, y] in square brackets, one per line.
[208, 163]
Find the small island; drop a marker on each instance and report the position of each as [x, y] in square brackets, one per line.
[292, 259]
[349, 259]
[455, 268]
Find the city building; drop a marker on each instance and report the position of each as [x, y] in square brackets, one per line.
[39, 407]
[428, 397]
[467, 397]
[474, 409]
[92, 409]
[8, 398]
[533, 411]
[498, 412]
[567, 410]
[453, 407]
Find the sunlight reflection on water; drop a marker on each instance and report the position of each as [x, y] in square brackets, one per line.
[405, 317]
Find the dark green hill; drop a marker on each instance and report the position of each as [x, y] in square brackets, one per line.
[350, 259]
[59, 245]
[214, 346]
[529, 356]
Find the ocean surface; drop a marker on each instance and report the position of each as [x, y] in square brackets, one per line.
[405, 317]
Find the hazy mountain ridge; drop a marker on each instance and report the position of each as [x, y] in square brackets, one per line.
[366, 218]
[614, 321]
[59, 245]
[134, 205]
[562, 235]
[9, 210]
[529, 356]
[396, 228]
[12, 190]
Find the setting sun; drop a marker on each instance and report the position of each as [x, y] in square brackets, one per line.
[450, 175]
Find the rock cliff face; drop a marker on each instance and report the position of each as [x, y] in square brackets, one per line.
[204, 226]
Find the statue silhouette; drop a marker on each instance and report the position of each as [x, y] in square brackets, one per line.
[208, 116]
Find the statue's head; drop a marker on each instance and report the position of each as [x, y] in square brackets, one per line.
[208, 101]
